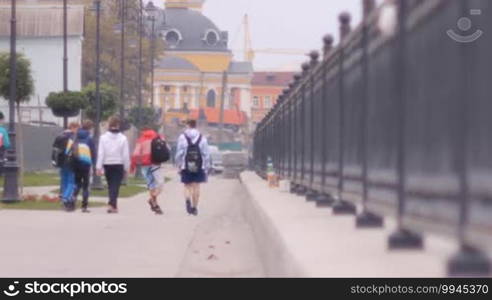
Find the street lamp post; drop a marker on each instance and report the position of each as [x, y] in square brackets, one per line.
[140, 63]
[122, 59]
[11, 184]
[96, 180]
[65, 55]
[151, 10]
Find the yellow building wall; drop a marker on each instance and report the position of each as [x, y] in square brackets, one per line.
[208, 62]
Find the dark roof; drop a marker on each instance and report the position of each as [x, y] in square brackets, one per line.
[193, 26]
[175, 63]
[273, 78]
[240, 67]
[41, 20]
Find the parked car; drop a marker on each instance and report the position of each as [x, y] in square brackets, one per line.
[216, 157]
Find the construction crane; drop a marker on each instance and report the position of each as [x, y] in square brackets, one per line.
[250, 53]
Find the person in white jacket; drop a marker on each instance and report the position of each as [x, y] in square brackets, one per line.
[113, 160]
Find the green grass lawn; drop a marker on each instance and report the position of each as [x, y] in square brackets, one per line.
[42, 205]
[136, 181]
[38, 179]
[125, 191]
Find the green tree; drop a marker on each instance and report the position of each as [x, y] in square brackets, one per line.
[148, 118]
[24, 83]
[63, 102]
[111, 50]
[25, 89]
[109, 101]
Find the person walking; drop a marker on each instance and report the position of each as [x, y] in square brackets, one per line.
[150, 152]
[4, 142]
[85, 154]
[193, 161]
[62, 157]
[113, 160]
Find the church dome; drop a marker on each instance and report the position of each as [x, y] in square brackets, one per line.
[185, 29]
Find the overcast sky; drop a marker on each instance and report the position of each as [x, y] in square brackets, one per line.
[279, 24]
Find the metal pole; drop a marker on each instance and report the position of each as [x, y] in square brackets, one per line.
[222, 103]
[65, 56]
[152, 58]
[402, 238]
[295, 143]
[96, 180]
[312, 193]
[140, 64]
[341, 207]
[11, 183]
[323, 199]
[468, 261]
[366, 219]
[122, 59]
[301, 190]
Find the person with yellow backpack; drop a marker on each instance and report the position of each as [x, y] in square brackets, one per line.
[84, 159]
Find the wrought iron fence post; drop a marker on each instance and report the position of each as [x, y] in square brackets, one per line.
[295, 176]
[341, 207]
[312, 194]
[281, 147]
[366, 219]
[287, 134]
[302, 189]
[402, 238]
[323, 199]
[468, 261]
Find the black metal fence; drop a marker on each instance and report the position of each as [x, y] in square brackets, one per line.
[398, 122]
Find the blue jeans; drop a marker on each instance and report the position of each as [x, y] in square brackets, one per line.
[67, 184]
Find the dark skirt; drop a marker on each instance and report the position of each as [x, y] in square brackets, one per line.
[188, 177]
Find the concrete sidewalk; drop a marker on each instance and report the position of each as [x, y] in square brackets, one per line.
[135, 242]
[301, 240]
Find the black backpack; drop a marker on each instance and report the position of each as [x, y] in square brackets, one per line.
[193, 158]
[159, 151]
[58, 156]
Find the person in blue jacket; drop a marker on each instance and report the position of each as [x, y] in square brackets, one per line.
[85, 160]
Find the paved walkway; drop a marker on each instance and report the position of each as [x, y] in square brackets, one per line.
[134, 243]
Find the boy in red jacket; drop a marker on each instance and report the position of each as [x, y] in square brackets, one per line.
[152, 172]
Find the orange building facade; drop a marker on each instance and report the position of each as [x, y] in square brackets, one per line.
[266, 87]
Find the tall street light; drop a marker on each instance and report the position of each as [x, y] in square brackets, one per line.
[96, 180]
[11, 184]
[121, 30]
[152, 11]
[65, 56]
[140, 60]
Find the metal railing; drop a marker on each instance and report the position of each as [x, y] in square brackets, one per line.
[396, 120]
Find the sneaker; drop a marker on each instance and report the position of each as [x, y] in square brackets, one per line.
[85, 210]
[189, 209]
[112, 210]
[66, 207]
[158, 210]
[194, 211]
[152, 205]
